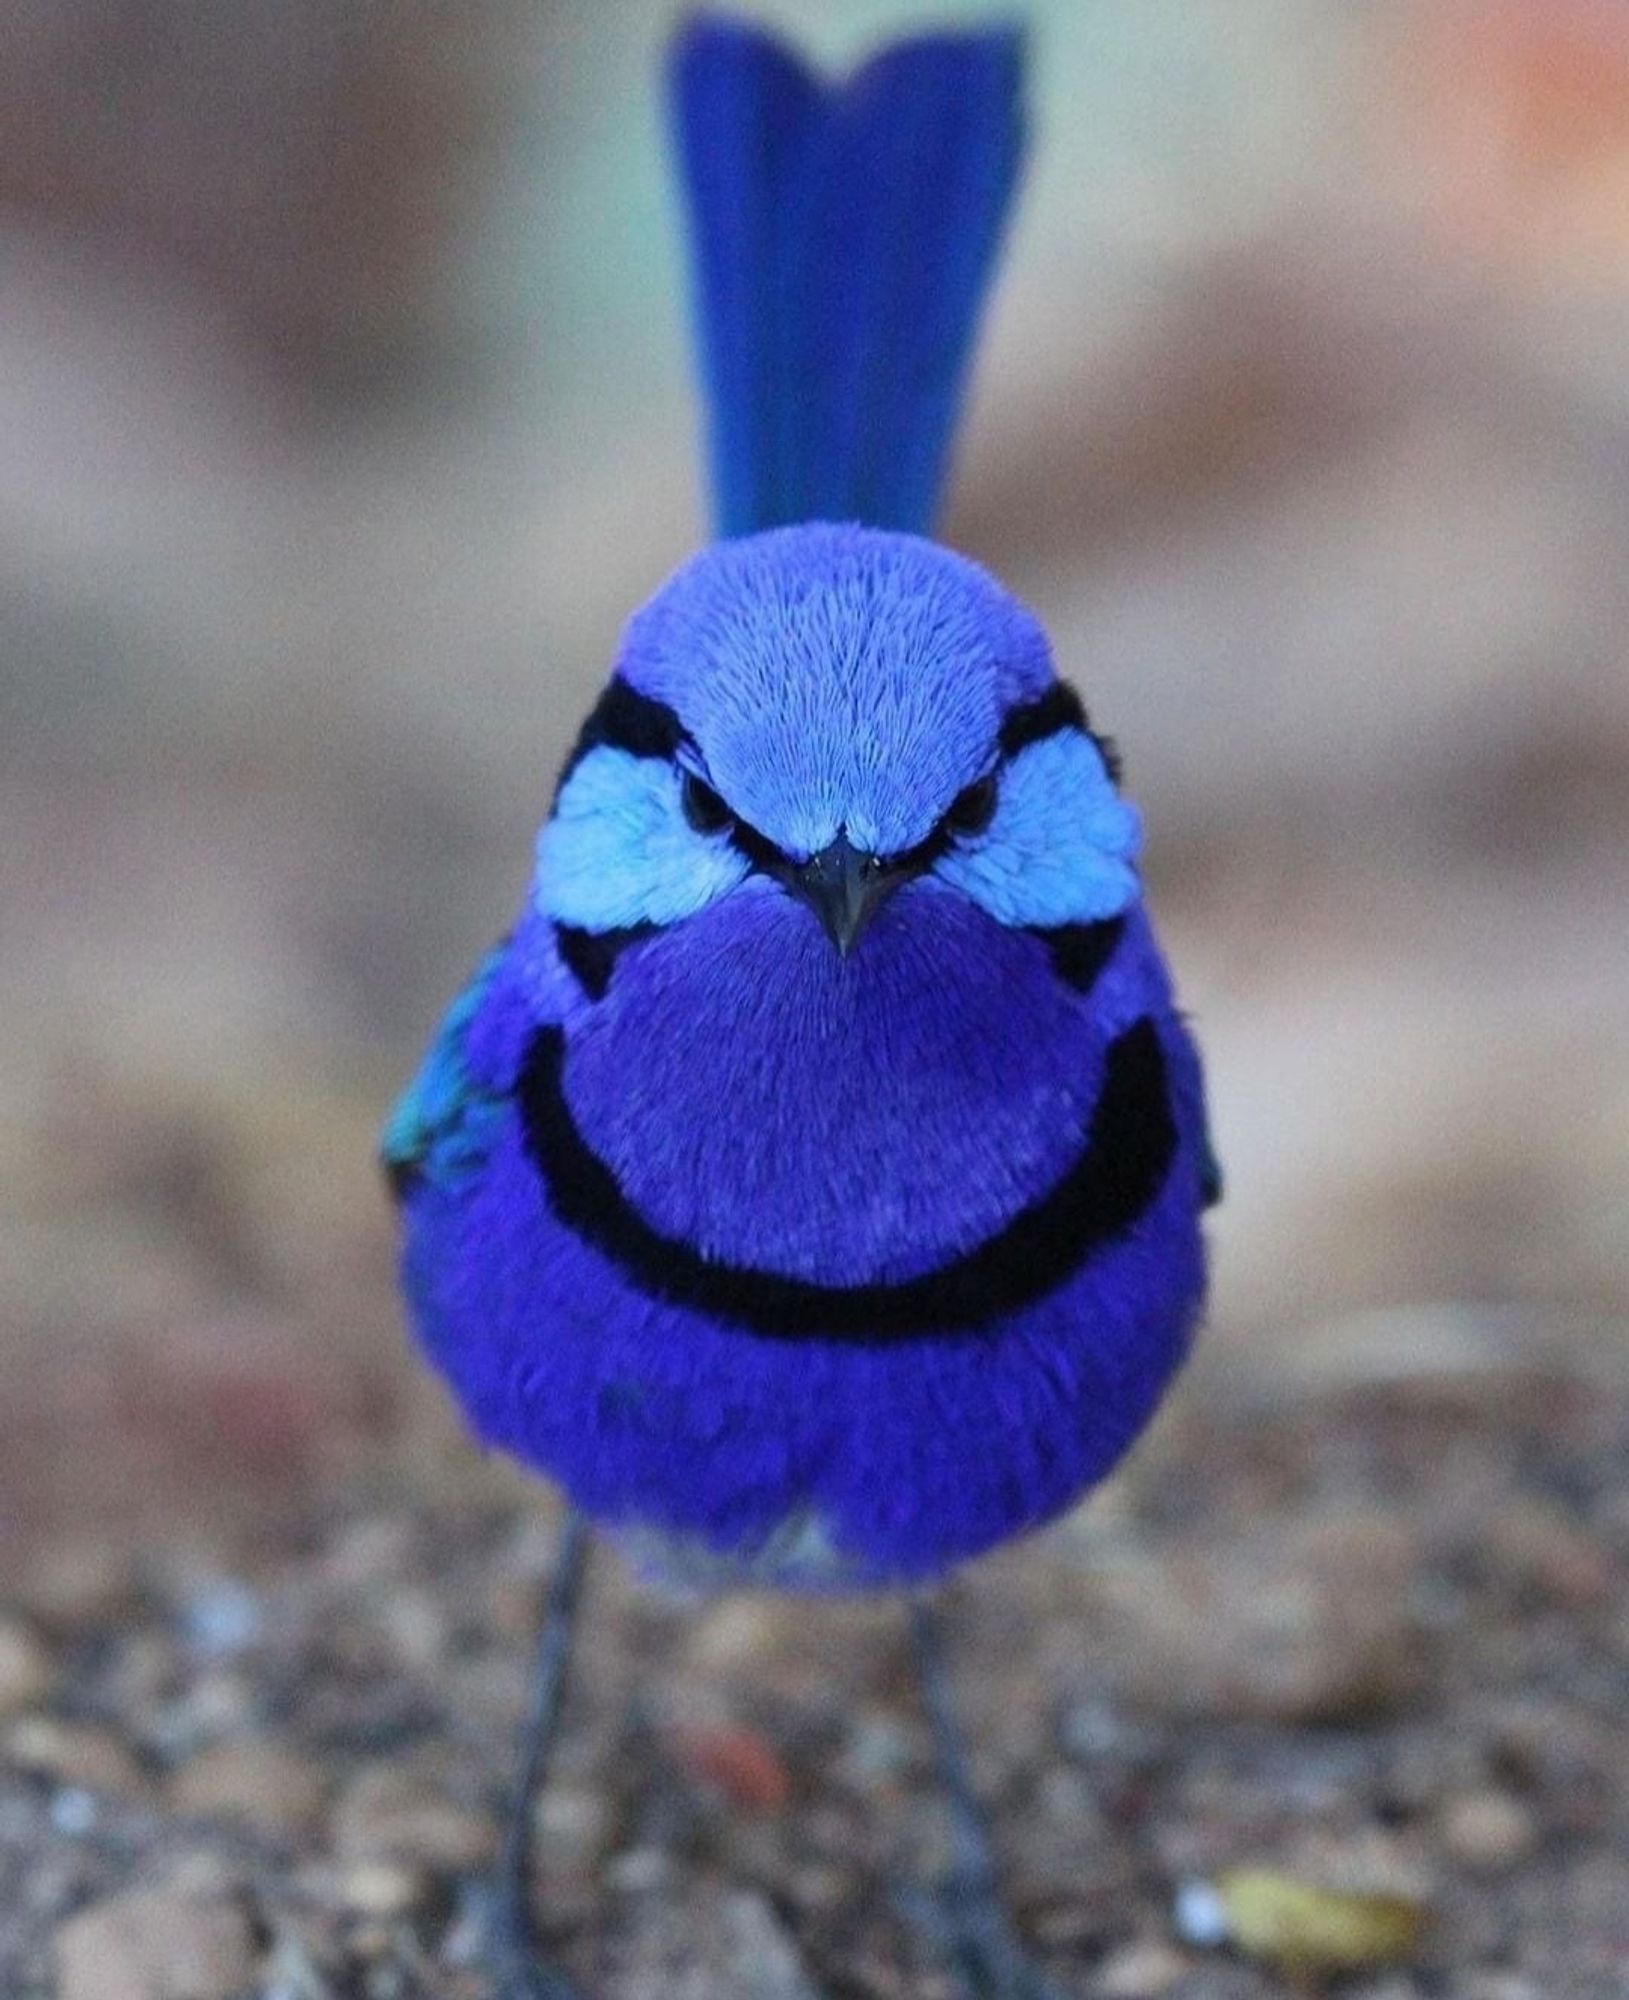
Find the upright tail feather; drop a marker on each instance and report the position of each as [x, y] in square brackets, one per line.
[843, 239]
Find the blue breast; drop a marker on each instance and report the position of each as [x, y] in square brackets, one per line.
[822, 1459]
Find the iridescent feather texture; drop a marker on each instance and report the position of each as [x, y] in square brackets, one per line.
[810, 1184]
[842, 1263]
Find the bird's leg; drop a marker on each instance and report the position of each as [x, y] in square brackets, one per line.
[520, 1972]
[968, 1922]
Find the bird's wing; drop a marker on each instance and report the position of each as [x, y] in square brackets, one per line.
[442, 1123]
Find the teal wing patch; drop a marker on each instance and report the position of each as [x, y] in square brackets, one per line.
[442, 1124]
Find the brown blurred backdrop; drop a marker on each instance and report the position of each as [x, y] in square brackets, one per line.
[346, 413]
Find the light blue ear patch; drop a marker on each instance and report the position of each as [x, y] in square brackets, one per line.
[1063, 845]
[619, 852]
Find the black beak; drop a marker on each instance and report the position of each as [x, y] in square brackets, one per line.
[845, 887]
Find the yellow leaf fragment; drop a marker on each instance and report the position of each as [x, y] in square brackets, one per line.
[1305, 1929]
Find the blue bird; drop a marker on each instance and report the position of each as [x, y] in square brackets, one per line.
[810, 1183]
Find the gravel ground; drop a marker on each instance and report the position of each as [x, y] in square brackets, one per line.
[1377, 1641]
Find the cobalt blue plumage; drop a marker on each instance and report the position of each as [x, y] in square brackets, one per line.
[673, 1160]
[843, 239]
[725, 1165]
[811, 1182]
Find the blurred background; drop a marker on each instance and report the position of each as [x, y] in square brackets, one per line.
[347, 407]
[347, 412]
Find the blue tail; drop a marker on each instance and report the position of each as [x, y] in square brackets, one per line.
[843, 237]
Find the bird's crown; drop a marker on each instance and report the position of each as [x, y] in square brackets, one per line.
[824, 697]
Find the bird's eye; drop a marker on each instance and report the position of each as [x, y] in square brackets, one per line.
[973, 808]
[701, 805]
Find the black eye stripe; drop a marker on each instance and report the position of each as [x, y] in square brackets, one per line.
[703, 809]
[625, 719]
[1058, 709]
[758, 848]
[973, 807]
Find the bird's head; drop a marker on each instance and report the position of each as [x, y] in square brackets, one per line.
[840, 710]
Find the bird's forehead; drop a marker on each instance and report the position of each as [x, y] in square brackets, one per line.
[837, 677]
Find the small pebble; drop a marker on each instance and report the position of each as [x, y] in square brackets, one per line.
[1497, 1984]
[637, 1871]
[573, 1824]
[736, 1632]
[816, 1885]
[1094, 1730]
[878, 1747]
[292, 1974]
[1533, 1545]
[142, 1675]
[156, 1944]
[416, 1625]
[220, 1703]
[1067, 1797]
[75, 1754]
[202, 1871]
[736, 1761]
[26, 1672]
[1199, 1915]
[762, 1961]
[258, 1783]
[1305, 1621]
[80, 1582]
[382, 1889]
[1139, 1971]
[221, 1617]
[74, 1812]
[369, 1552]
[1487, 1830]
[709, 1945]
[375, 1940]
[385, 1814]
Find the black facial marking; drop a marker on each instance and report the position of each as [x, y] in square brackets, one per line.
[759, 849]
[591, 956]
[973, 808]
[1120, 1169]
[703, 809]
[626, 720]
[1059, 708]
[401, 1175]
[1080, 951]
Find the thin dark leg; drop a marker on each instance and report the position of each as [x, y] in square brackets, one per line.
[521, 1972]
[970, 1926]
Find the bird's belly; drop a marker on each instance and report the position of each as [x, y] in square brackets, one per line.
[721, 1456]
[840, 1121]
[843, 1122]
